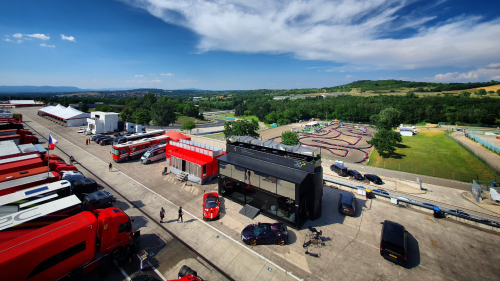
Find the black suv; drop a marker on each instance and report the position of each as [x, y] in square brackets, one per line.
[373, 178]
[339, 169]
[347, 204]
[355, 175]
[393, 243]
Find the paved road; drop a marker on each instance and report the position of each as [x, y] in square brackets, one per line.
[491, 158]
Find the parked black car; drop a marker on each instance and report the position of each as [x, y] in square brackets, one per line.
[393, 242]
[373, 178]
[347, 204]
[265, 233]
[355, 175]
[339, 169]
[99, 138]
[106, 141]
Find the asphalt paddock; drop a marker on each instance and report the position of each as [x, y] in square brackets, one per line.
[439, 249]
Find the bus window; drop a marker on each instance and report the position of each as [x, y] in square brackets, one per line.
[145, 146]
[115, 151]
[123, 151]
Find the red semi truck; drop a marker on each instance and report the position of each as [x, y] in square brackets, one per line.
[8, 187]
[17, 166]
[22, 136]
[69, 248]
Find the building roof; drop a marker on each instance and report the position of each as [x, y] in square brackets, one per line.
[282, 172]
[65, 113]
[176, 136]
[188, 155]
[22, 102]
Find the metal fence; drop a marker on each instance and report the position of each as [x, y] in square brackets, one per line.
[475, 189]
[484, 142]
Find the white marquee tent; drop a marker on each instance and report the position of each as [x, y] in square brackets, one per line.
[67, 116]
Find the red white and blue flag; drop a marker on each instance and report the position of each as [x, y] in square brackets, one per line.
[52, 142]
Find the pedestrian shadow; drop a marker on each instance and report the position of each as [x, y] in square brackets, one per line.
[191, 220]
[170, 221]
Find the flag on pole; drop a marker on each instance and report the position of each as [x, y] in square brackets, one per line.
[52, 142]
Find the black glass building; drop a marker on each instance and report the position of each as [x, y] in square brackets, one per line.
[283, 185]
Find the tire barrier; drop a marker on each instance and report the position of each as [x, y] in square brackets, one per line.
[438, 208]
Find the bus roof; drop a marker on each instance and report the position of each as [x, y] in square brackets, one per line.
[23, 173]
[26, 180]
[38, 211]
[144, 134]
[33, 191]
[18, 158]
[145, 140]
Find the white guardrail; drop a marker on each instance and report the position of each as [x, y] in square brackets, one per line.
[454, 212]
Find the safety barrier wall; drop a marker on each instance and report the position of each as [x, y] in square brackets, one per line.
[419, 203]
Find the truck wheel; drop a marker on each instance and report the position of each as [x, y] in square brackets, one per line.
[186, 270]
[123, 258]
[127, 159]
[116, 253]
[148, 162]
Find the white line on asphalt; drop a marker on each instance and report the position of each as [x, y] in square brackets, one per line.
[201, 221]
[157, 271]
[123, 272]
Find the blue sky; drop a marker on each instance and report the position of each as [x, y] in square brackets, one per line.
[235, 44]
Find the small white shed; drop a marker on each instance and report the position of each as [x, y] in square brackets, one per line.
[407, 132]
[102, 122]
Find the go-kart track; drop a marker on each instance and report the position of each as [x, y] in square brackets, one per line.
[348, 141]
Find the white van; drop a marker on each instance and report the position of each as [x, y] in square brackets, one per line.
[155, 153]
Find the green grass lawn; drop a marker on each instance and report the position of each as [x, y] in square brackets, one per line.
[231, 115]
[432, 153]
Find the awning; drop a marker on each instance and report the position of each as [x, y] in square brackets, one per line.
[284, 173]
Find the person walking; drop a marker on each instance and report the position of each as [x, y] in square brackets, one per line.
[71, 160]
[110, 166]
[87, 141]
[162, 214]
[180, 215]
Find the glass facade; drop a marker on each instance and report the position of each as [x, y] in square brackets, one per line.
[273, 196]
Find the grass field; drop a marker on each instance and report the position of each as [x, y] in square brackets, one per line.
[432, 153]
[231, 115]
[182, 118]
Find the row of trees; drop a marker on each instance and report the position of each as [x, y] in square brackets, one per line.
[161, 111]
[431, 109]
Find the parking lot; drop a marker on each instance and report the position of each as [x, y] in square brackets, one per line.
[439, 249]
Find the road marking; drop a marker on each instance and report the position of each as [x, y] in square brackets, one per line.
[157, 271]
[201, 221]
[123, 272]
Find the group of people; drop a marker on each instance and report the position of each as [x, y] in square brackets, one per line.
[87, 141]
[162, 214]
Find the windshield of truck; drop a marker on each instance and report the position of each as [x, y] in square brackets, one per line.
[115, 151]
[146, 155]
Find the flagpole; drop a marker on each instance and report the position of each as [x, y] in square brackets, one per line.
[48, 159]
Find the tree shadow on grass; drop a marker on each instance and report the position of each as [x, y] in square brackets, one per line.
[393, 155]
[400, 145]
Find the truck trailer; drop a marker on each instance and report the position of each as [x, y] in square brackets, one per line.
[69, 248]
[27, 182]
[23, 136]
[8, 167]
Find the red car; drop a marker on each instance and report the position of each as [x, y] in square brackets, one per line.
[211, 205]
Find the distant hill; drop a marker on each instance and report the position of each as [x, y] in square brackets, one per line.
[399, 85]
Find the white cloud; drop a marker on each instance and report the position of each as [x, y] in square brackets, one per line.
[139, 76]
[17, 35]
[13, 41]
[187, 80]
[349, 76]
[490, 72]
[38, 35]
[356, 32]
[166, 74]
[69, 38]
[48, 46]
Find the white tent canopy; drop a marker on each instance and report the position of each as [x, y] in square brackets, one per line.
[73, 117]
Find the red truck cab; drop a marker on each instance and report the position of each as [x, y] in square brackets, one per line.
[68, 248]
